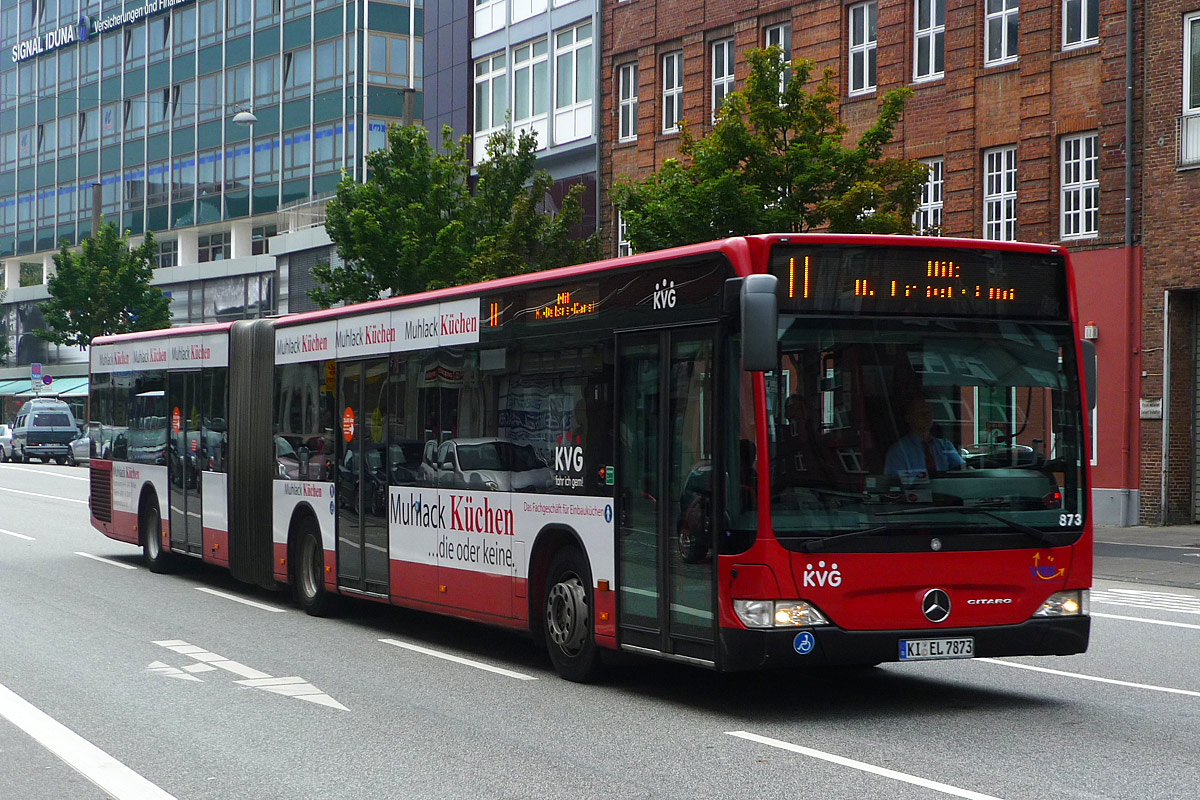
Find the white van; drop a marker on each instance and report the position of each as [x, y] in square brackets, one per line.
[43, 428]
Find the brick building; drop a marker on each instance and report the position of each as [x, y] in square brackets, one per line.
[1171, 279]
[1019, 110]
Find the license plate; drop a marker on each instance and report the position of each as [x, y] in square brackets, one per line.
[925, 649]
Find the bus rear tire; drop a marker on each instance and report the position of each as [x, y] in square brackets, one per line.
[568, 618]
[309, 578]
[150, 527]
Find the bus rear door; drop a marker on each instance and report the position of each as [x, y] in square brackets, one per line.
[183, 462]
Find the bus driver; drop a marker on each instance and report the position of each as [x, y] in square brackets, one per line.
[919, 451]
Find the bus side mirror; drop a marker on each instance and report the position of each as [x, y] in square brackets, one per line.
[1088, 351]
[760, 323]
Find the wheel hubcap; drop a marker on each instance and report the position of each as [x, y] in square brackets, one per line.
[312, 568]
[567, 617]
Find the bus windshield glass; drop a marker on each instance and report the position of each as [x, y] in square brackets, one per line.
[952, 423]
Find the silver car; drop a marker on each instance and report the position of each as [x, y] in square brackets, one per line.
[81, 446]
[5, 442]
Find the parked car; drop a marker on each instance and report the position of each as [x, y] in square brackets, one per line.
[81, 445]
[5, 442]
[489, 464]
[43, 429]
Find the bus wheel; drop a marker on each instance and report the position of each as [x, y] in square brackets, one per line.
[150, 526]
[568, 617]
[309, 582]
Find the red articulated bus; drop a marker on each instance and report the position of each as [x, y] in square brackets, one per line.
[770, 451]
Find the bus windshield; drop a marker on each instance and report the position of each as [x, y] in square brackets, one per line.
[952, 423]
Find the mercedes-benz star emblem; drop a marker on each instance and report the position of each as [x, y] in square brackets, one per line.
[936, 605]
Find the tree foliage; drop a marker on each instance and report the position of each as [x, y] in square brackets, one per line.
[415, 224]
[775, 161]
[103, 289]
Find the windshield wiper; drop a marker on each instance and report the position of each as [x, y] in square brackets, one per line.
[1041, 536]
[813, 545]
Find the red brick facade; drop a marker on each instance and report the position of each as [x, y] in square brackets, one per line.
[1047, 93]
[1171, 243]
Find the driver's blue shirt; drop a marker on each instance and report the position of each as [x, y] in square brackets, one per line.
[907, 455]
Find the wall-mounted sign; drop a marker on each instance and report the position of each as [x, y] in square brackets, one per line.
[88, 26]
[1150, 409]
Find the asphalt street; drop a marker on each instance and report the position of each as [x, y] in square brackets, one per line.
[118, 683]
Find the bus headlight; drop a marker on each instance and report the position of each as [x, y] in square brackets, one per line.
[778, 613]
[1065, 604]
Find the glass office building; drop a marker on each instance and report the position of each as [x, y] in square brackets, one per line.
[139, 97]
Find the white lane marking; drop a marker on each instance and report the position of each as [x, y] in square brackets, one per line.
[113, 777]
[105, 560]
[937, 786]
[52, 474]
[45, 496]
[460, 660]
[1151, 621]
[1164, 546]
[1141, 598]
[1094, 678]
[241, 600]
[17, 535]
[251, 678]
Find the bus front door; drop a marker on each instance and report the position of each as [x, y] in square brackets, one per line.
[665, 502]
[183, 461]
[362, 477]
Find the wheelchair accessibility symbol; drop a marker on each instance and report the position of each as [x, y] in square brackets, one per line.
[804, 643]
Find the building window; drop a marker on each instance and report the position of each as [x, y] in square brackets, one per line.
[213, 247]
[327, 148]
[268, 160]
[928, 218]
[574, 79]
[110, 123]
[491, 100]
[781, 36]
[167, 254]
[1000, 32]
[266, 81]
[237, 87]
[672, 82]
[929, 39]
[135, 46]
[183, 179]
[297, 73]
[237, 17]
[387, 61]
[135, 116]
[208, 173]
[1080, 201]
[135, 190]
[624, 248]
[210, 22]
[66, 205]
[209, 92]
[722, 73]
[258, 239]
[328, 63]
[158, 110]
[296, 154]
[183, 30]
[237, 166]
[159, 36]
[627, 99]
[266, 13]
[89, 129]
[183, 103]
[531, 89]
[862, 48]
[47, 140]
[110, 53]
[158, 184]
[66, 136]
[524, 9]
[1081, 23]
[1000, 194]
[1189, 123]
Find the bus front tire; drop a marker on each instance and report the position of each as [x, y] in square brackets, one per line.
[309, 583]
[568, 618]
[150, 526]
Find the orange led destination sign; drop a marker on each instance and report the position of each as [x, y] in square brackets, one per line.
[917, 280]
[564, 303]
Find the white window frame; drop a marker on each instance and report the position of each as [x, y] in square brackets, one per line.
[932, 34]
[1191, 72]
[492, 80]
[933, 192]
[672, 85]
[1078, 9]
[781, 36]
[525, 78]
[524, 9]
[627, 102]
[722, 72]
[624, 248]
[863, 41]
[490, 16]
[573, 119]
[1000, 193]
[999, 15]
[1079, 181]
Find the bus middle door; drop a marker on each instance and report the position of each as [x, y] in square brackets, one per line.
[362, 477]
[183, 462]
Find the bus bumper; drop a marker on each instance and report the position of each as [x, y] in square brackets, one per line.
[743, 649]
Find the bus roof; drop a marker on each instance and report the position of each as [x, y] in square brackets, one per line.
[164, 333]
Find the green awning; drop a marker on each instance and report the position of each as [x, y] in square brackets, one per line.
[59, 388]
[11, 387]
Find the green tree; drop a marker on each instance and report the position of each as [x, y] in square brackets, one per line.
[775, 161]
[415, 224]
[103, 289]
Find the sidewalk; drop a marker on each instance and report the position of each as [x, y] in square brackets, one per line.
[1168, 556]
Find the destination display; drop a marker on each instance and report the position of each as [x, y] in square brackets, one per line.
[920, 281]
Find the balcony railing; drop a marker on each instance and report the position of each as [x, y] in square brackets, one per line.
[1187, 133]
[306, 213]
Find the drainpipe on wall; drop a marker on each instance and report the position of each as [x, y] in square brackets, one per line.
[1132, 319]
[1166, 405]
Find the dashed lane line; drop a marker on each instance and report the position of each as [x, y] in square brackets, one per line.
[115, 779]
[105, 560]
[1094, 678]
[460, 660]
[862, 766]
[44, 496]
[1150, 621]
[17, 535]
[45, 472]
[241, 600]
